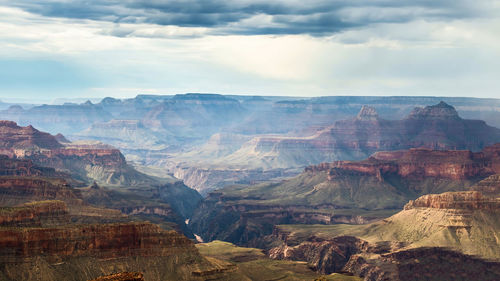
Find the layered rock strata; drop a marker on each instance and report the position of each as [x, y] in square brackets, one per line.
[123, 276]
[35, 214]
[433, 234]
[423, 264]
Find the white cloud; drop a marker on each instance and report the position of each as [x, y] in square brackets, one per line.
[454, 57]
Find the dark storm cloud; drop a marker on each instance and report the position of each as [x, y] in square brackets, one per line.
[314, 17]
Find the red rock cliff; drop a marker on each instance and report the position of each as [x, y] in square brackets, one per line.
[17, 190]
[423, 163]
[14, 137]
[98, 240]
[35, 214]
[471, 200]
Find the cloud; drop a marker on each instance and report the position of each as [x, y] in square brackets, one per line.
[304, 48]
[282, 17]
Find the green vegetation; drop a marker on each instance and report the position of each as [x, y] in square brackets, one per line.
[252, 264]
[471, 232]
[347, 191]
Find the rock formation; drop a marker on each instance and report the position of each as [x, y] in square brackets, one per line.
[123, 276]
[468, 200]
[421, 163]
[325, 256]
[39, 242]
[433, 234]
[367, 113]
[35, 214]
[434, 127]
[490, 186]
[19, 141]
[423, 264]
[17, 190]
[102, 241]
[83, 161]
[341, 192]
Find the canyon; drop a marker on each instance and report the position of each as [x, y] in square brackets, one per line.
[179, 132]
[46, 245]
[437, 127]
[441, 231]
[330, 188]
[83, 161]
[340, 192]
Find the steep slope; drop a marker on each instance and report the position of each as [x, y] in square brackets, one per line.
[342, 191]
[68, 118]
[84, 161]
[193, 116]
[27, 176]
[253, 264]
[45, 245]
[438, 264]
[435, 127]
[129, 134]
[417, 240]
[24, 138]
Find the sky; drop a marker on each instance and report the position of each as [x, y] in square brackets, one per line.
[53, 49]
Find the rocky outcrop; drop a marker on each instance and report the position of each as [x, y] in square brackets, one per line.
[441, 110]
[423, 264]
[86, 251]
[159, 210]
[25, 168]
[435, 127]
[36, 214]
[103, 241]
[206, 180]
[83, 161]
[15, 139]
[433, 236]
[88, 163]
[324, 256]
[342, 192]
[16, 190]
[420, 163]
[123, 276]
[61, 138]
[469, 200]
[490, 186]
[466, 222]
[367, 113]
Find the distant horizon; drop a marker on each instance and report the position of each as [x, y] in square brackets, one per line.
[95, 100]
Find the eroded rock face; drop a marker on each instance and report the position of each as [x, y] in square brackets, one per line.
[24, 168]
[123, 276]
[441, 110]
[490, 186]
[471, 200]
[14, 137]
[84, 161]
[423, 264]
[35, 214]
[103, 241]
[367, 113]
[18, 190]
[433, 127]
[420, 163]
[324, 256]
[387, 180]
[36, 250]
